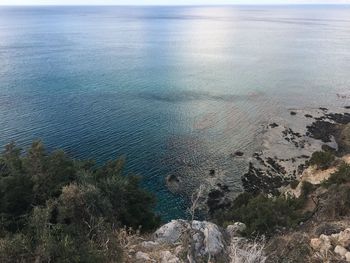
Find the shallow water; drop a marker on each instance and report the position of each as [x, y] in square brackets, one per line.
[174, 89]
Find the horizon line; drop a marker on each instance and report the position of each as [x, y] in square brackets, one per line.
[145, 5]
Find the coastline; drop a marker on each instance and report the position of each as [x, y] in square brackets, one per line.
[286, 147]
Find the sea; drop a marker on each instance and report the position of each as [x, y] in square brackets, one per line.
[174, 90]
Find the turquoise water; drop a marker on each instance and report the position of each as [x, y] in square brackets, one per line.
[174, 89]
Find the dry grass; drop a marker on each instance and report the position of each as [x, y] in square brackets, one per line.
[243, 251]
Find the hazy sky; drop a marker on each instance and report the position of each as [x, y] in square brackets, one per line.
[165, 2]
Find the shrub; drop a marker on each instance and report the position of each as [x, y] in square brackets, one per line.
[322, 160]
[294, 184]
[263, 215]
[341, 176]
[57, 209]
[306, 189]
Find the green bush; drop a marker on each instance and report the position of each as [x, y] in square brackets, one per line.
[294, 184]
[306, 188]
[261, 214]
[341, 176]
[322, 160]
[56, 209]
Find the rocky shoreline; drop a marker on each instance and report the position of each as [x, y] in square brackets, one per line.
[287, 145]
[267, 172]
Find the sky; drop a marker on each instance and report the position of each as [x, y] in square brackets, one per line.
[166, 2]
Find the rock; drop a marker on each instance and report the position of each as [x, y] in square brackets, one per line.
[273, 125]
[347, 107]
[322, 130]
[171, 232]
[142, 257]
[344, 238]
[168, 257]
[173, 182]
[308, 116]
[239, 153]
[340, 250]
[217, 200]
[211, 172]
[347, 256]
[322, 244]
[213, 239]
[326, 244]
[206, 236]
[316, 243]
[236, 228]
[257, 181]
[178, 250]
[328, 229]
[149, 244]
[293, 113]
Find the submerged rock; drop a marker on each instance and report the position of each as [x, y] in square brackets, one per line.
[211, 172]
[173, 182]
[239, 153]
[273, 125]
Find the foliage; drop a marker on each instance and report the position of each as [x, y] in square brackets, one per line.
[56, 209]
[261, 214]
[341, 176]
[322, 160]
[294, 184]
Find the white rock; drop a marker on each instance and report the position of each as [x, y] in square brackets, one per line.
[142, 256]
[347, 257]
[213, 240]
[335, 236]
[171, 232]
[235, 229]
[340, 250]
[316, 243]
[178, 250]
[168, 257]
[325, 244]
[199, 246]
[149, 244]
[206, 236]
[344, 238]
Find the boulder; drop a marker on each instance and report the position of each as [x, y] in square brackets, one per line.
[341, 251]
[235, 229]
[344, 238]
[171, 232]
[347, 257]
[213, 239]
[316, 243]
[205, 236]
[149, 244]
[326, 244]
[321, 244]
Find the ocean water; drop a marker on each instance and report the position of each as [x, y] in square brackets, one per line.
[174, 89]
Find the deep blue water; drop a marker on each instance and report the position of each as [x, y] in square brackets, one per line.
[174, 89]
